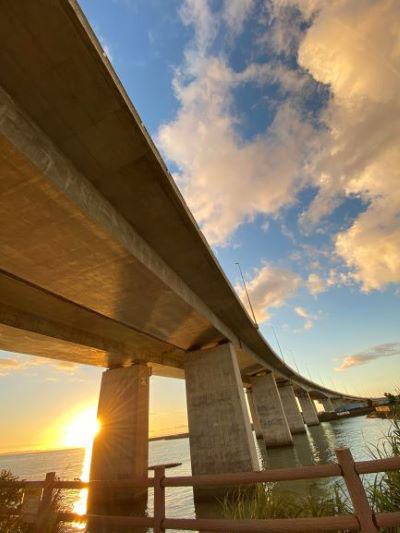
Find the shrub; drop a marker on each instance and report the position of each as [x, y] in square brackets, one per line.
[11, 499]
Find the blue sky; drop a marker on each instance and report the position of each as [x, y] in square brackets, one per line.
[279, 122]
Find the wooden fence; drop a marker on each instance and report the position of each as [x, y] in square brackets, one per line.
[363, 519]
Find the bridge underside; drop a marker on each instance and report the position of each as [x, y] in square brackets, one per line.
[76, 282]
[101, 261]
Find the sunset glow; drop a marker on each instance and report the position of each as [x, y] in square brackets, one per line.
[80, 430]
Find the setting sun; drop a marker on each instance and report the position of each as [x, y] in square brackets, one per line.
[81, 429]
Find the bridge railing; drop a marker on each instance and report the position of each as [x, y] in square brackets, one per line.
[362, 519]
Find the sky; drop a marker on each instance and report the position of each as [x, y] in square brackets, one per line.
[280, 122]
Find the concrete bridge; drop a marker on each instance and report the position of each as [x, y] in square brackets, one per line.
[103, 264]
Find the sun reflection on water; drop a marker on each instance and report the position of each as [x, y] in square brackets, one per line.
[82, 430]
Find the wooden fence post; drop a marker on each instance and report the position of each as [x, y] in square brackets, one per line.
[359, 499]
[159, 499]
[47, 515]
[30, 506]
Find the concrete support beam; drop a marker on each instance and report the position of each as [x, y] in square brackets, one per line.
[292, 411]
[120, 450]
[254, 415]
[220, 434]
[308, 409]
[327, 405]
[268, 405]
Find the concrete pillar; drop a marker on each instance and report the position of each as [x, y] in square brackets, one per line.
[254, 415]
[219, 426]
[327, 405]
[292, 411]
[120, 450]
[268, 403]
[310, 415]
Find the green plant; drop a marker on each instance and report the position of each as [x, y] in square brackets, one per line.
[384, 490]
[267, 502]
[262, 502]
[11, 499]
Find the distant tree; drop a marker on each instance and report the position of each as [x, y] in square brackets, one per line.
[391, 397]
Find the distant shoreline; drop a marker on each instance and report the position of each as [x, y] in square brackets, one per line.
[151, 439]
[171, 437]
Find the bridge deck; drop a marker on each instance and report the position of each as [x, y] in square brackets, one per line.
[102, 262]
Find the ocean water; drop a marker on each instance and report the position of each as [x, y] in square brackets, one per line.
[316, 446]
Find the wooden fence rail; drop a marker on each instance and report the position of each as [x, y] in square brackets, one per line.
[363, 519]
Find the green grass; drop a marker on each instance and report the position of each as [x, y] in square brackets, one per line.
[384, 491]
[267, 502]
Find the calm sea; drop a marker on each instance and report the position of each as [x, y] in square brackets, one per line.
[316, 446]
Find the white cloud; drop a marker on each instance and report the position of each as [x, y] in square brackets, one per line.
[108, 52]
[106, 48]
[265, 226]
[309, 318]
[376, 352]
[205, 23]
[372, 246]
[9, 365]
[235, 13]
[218, 169]
[269, 287]
[64, 366]
[307, 7]
[338, 278]
[361, 155]
[315, 284]
[227, 180]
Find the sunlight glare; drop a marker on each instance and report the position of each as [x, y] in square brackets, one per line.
[81, 429]
[80, 432]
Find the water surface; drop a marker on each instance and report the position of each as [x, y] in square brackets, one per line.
[315, 446]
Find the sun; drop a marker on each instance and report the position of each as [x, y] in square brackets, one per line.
[81, 429]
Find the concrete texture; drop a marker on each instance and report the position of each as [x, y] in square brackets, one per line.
[292, 411]
[308, 409]
[120, 450]
[88, 255]
[91, 218]
[221, 439]
[327, 405]
[254, 416]
[273, 422]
